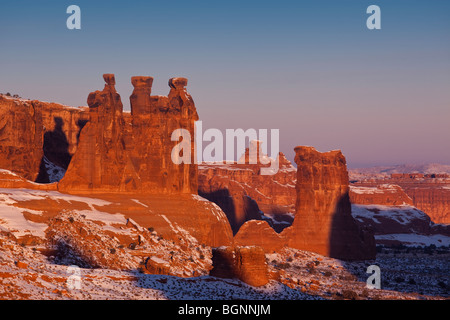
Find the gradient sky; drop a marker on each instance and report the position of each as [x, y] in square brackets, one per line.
[309, 68]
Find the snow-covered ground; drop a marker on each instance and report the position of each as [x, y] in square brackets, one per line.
[34, 271]
[401, 214]
[412, 239]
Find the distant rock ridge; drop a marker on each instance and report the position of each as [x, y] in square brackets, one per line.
[429, 192]
[245, 194]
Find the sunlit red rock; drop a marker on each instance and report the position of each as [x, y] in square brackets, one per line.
[32, 129]
[323, 221]
[428, 192]
[244, 193]
[118, 153]
[385, 194]
[101, 163]
[261, 234]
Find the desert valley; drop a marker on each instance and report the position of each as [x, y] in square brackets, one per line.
[93, 207]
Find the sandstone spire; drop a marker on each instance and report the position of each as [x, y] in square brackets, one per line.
[323, 221]
[101, 162]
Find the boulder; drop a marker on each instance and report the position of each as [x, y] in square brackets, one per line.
[261, 234]
[247, 264]
[155, 265]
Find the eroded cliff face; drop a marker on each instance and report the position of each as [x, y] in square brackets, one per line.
[154, 119]
[31, 130]
[435, 201]
[428, 192]
[323, 221]
[118, 153]
[245, 194]
[385, 194]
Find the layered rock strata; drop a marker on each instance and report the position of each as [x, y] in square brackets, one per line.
[117, 156]
[31, 130]
[245, 194]
[323, 222]
[247, 264]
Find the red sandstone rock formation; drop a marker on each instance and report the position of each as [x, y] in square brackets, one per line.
[387, 209]
[247, 264]
[231, 196]
[101, 163]
[31, 129]
[259, 233]
[323, 221]
[120, 153]
[244, 194]
[435, 201]
[20, 137]
[428, 192]
[83, 240]
[9, 179]
[154, 119]
[385, 194]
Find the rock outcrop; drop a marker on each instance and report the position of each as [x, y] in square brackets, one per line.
[9, 179]
[101, 162]
[404, 219]
[83, 240]
[245, 194]
[434, 200]
[154, 119]
[323, 222]
[259, 233]
[385, 194]
[247, 264]
[31, 130]
[429, 192]
[115, 155]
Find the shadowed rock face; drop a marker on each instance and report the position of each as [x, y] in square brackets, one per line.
[134, 154]
[101, 162]
[31, 129]
[247, 264]
[245, 194]
[323, 221]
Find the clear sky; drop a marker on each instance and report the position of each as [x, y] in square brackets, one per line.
[309, 68]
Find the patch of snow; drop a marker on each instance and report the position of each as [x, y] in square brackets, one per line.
[199, 198]
[412, 239]
[55, 173]
[12, 220]
[30, 195]
[159, 260]
[403, 214]
[140, 203]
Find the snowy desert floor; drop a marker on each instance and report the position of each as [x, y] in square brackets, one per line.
[406, 273]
